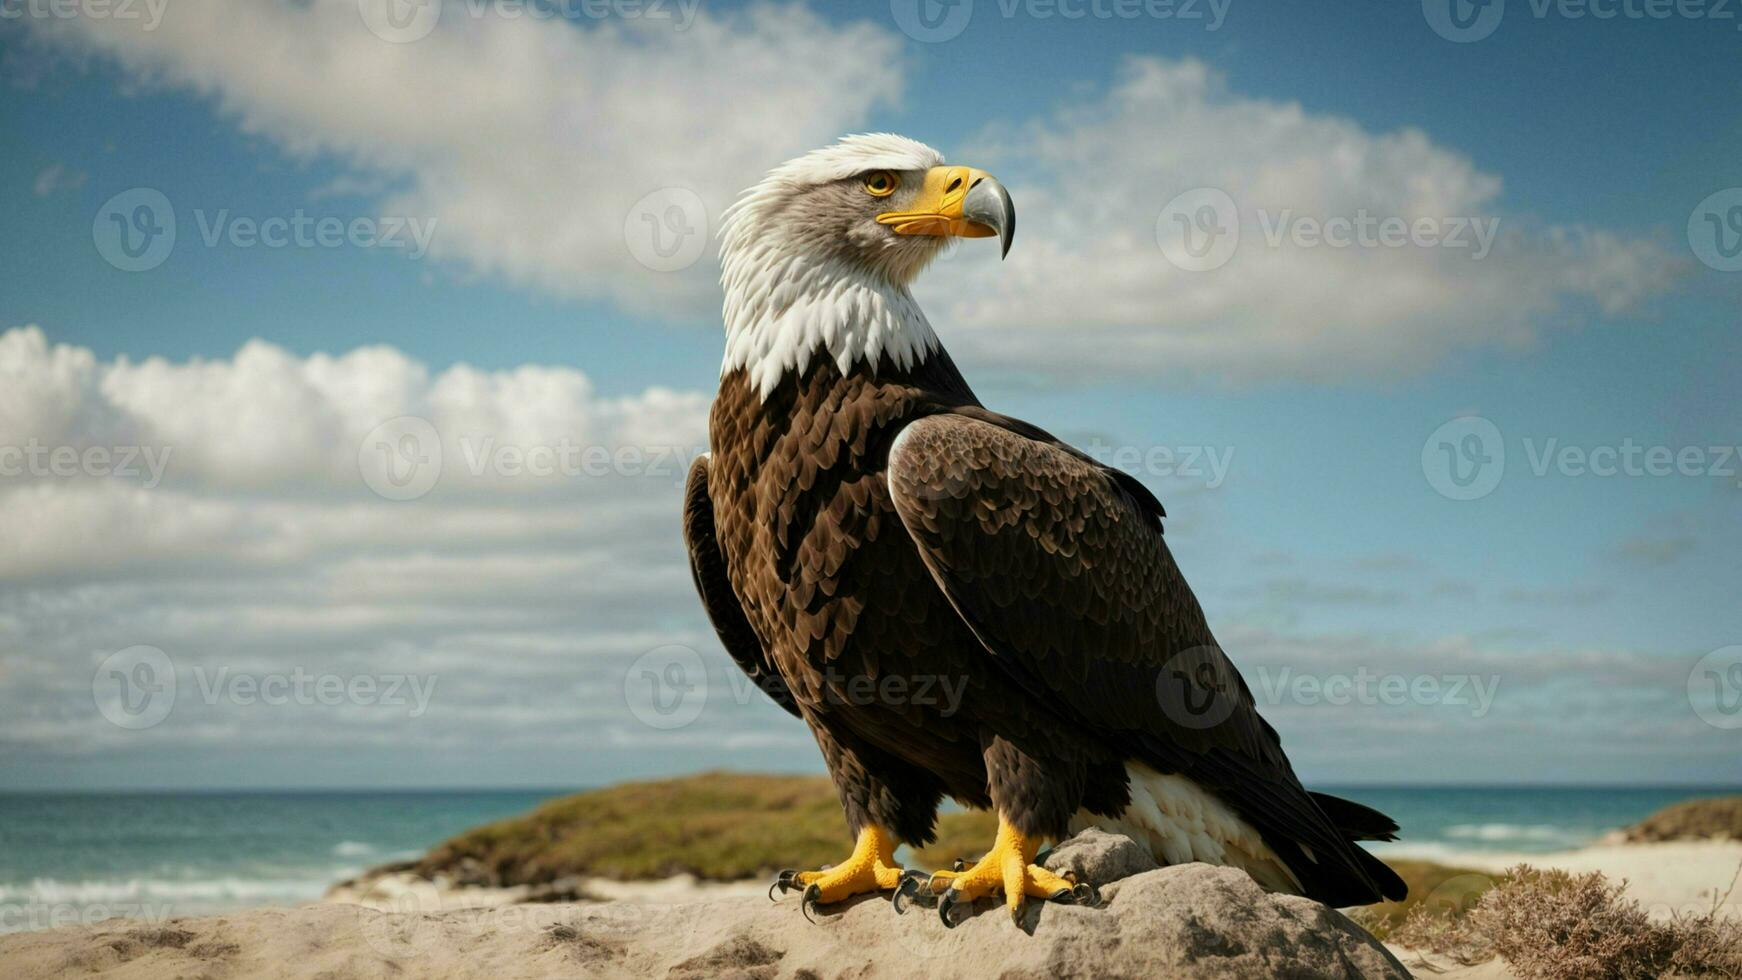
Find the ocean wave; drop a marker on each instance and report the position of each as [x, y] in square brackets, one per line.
[351, 848]
[1512, 832]
[228, 889]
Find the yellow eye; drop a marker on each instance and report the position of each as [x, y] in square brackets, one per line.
[880, 184]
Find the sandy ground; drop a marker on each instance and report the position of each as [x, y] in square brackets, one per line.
[1665, 877]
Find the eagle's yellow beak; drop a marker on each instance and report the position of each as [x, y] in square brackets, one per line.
[959, 201]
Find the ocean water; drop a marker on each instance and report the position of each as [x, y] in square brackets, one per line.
[68, 858]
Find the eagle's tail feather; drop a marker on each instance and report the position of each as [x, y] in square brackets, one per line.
[1354, 820]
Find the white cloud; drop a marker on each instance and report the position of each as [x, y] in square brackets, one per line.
[1092, 181]
[263, 552]
[56, 177]
[529, 140]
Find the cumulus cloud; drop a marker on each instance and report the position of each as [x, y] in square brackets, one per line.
[526, 605]
[264, 551]
[529, 140]
[534, 143]
[1094, 181]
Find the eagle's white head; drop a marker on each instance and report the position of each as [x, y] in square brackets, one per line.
[817, 257]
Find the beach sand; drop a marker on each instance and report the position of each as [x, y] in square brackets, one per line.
[347, 934]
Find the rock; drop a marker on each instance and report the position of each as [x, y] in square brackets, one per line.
[1186, 922]
[1099, 857]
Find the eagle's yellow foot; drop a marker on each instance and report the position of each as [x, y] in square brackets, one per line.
[1009, 869]
[871, 867]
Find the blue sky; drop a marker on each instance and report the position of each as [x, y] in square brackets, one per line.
[1325, 549]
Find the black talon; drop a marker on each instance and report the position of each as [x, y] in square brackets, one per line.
[958, 865]
[912, 886]
[1016, 913]
[947, 903]
[1062, 896]
[1086, 895]
[786, 881]
[812, 899]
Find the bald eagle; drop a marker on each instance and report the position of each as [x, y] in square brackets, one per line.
[955, 602]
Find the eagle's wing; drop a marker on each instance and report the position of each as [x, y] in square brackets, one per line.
[1058, 565]
[708, 569]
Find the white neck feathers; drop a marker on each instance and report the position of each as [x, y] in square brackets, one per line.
[783, 309]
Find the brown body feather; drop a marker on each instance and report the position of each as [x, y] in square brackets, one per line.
[982, 613]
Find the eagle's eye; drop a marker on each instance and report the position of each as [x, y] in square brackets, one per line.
[880, 183]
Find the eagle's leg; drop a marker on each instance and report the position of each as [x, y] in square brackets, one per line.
[1009, 869]
[871, 867]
